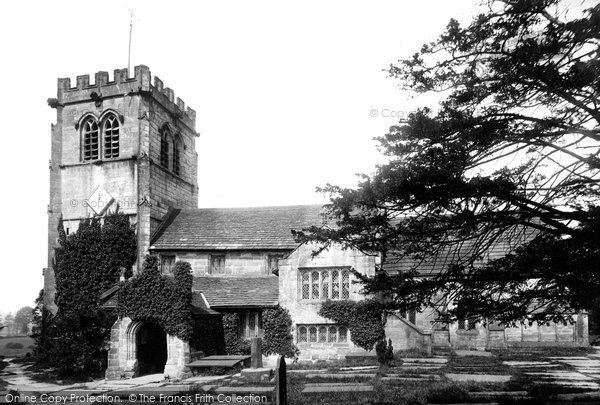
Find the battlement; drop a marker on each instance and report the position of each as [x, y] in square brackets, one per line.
[122, 85]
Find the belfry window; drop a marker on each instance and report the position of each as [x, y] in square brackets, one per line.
[100, 139]
[176, 157]
[165, 138]
[110, 131]
[90, 140]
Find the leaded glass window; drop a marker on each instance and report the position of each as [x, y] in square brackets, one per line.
[305, 286]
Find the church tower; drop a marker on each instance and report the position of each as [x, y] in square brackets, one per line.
[123, 142]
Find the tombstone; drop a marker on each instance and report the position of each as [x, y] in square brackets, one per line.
[256, 353]
[280, 382]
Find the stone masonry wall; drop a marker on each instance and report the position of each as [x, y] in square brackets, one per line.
[306, 312]
[140, 191]
[237, 263]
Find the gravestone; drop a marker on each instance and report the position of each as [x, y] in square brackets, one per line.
[280, 382]
[256, 353]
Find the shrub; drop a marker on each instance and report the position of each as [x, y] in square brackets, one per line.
[385, 352]
[208, 335]
[87, 263]
[364, 319]
[278, 338]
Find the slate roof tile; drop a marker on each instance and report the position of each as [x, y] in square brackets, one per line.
[439, 262]
[238, 292]
[235, 228]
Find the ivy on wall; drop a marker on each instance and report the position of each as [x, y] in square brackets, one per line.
[89, 261]
[86, 263]
[208, 336]
[234, 344]
[364, 319]
[278, 338]
[152, 297]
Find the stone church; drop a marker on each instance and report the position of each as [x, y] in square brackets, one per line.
[129, 141]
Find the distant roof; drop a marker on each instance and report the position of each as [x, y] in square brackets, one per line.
[234, 228]
[238, 292]
[440, 261]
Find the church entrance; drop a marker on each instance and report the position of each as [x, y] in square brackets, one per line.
[151, 349]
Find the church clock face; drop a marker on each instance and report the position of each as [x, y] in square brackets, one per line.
[99, 200]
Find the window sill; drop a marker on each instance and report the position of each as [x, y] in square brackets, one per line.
[98, 161]
[321, 300]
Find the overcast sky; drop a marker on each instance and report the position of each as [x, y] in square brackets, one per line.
[284, 94]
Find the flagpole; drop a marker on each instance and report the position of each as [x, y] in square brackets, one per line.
[130, 30]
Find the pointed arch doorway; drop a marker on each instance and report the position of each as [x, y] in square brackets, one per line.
[151, 342]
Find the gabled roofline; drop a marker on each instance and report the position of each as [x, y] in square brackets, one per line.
[166, 221]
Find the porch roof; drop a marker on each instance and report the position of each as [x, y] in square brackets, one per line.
[238, 292]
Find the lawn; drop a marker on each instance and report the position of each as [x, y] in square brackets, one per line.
[16, 346]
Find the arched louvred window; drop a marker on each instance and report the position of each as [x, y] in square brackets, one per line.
[111, 136]
[90, 139]
[176, 157]
[165, 138]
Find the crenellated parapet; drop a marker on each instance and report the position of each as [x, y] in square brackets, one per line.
[122, 85]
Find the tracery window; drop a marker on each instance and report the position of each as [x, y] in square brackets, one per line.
[325, 284]
[177, 157]
[165, 140]
[322, 334]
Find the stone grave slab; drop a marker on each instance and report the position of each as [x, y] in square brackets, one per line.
[340, 375]
[476, 353]
[576, 384]
[528, 363]
[219, 361]
[205, 379]
[497, 378]
[566, 375]
[567, 358]
[578, 395]
[408, 377]
[421, 367]
[428, 360]
[249, 390]
[335, 384]
[358, 368]
[320, 388]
